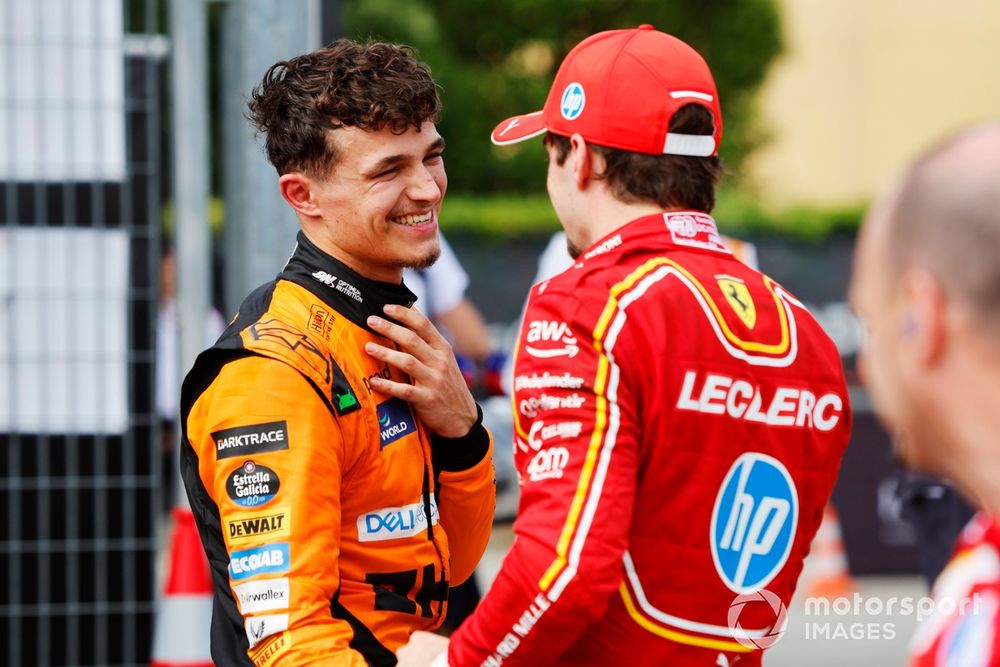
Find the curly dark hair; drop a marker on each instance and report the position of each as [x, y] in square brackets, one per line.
[369, 86]
[670, 181]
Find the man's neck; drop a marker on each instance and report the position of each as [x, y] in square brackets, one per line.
[603, 216]
[971, 422]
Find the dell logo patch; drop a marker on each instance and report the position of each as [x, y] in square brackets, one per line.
[573, 100]
[753, 522]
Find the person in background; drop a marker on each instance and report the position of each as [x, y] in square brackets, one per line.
[168, 367]
[440, 291]
[680, 418]
[926, 284]
[335, 460]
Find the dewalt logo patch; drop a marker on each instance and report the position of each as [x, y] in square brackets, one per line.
[253, 527]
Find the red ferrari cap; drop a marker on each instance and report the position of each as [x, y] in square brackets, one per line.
[619, 89]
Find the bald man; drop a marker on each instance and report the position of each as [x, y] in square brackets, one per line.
[927, 285]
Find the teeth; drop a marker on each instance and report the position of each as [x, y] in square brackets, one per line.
[414, 219]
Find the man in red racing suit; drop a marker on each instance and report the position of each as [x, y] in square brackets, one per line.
[679, 416]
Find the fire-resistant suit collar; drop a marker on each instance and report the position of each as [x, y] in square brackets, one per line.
[342, 288]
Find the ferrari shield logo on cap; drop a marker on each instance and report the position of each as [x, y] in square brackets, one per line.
[738, 297]
[573, 101]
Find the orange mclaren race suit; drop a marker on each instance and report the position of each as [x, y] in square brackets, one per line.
[333, 520]
[679, 424]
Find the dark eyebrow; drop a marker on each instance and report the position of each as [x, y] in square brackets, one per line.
[393, 160]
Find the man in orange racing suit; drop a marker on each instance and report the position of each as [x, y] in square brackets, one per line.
[679, 416]
[336, 464]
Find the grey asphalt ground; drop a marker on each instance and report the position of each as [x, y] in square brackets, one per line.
[815, 636]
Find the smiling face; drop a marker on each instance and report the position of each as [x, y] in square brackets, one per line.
[377, 209]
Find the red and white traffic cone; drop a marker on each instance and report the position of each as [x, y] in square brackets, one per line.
[826, 571]
[184, 613]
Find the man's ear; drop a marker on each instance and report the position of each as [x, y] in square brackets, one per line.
[296, 188]
[581, 160]
[923, 327]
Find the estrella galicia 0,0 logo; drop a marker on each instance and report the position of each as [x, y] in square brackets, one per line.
[252, 484]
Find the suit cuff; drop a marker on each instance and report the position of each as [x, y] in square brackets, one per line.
[464, 452]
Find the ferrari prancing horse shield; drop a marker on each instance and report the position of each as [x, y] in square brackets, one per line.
[738, 297]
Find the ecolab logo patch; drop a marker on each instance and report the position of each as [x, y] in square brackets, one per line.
[252, 484]
[246, 527]
[253, 439]
[394, 421]
[268, 559]
[392, 523]
[262, 595]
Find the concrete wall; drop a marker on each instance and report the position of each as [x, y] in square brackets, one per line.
[864, 86]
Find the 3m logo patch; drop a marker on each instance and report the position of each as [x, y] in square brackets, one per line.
[268, 559]
[391, 523]
[262, 595]
[247, 527]
[739, 299]
[253, 439]
[394, 421]
[260, 628]
[252, 484]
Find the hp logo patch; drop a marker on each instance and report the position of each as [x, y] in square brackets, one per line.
[753, 522]
[573, 99]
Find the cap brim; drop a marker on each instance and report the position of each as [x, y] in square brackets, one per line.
[518, 128]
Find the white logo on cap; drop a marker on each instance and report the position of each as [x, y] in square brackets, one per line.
[573, 101]
[510, 126]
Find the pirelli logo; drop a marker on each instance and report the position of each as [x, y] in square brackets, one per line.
[252, 527]
[253, 439]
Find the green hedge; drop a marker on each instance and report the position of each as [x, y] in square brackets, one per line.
[511, 216]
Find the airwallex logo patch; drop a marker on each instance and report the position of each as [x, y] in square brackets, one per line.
[394, 421]
[252, 484]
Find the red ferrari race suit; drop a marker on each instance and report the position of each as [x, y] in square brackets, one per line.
[964, 628]
[333, 520]
[679, 424]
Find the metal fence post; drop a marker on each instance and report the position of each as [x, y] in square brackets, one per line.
[260, 227]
